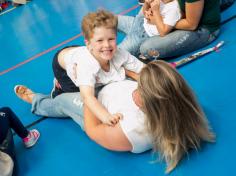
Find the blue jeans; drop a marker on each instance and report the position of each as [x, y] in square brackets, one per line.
[176, 43]
[135, 33]
[62, 106]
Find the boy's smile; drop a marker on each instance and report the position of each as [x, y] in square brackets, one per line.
[102, 44]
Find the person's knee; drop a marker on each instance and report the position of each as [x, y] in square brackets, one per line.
[64, 100]
[69, 103]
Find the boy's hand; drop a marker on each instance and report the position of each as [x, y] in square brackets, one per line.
[113, 119]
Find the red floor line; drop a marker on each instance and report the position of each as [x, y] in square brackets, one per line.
[55, 47]
[38, 55]
[128, 10]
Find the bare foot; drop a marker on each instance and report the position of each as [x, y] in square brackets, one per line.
[24, 93]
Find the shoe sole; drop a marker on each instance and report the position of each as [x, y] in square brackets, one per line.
[15, 88]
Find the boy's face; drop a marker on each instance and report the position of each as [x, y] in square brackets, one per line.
[102, 45]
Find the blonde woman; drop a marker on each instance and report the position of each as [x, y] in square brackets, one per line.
[159, 113]
[172, 121]
[174, 118]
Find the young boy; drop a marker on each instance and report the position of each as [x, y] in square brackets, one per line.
[158, 17]
[84, 69]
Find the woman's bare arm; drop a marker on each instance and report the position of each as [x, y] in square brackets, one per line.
[112, 138]
[193, 14]
[131, 74]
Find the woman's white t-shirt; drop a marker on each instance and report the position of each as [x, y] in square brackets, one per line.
[117, 97]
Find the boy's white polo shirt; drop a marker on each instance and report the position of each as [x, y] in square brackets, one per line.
[84, 69]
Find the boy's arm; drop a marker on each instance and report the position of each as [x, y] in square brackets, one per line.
[131, 74]
[157, 19]
[112, 138]
[96, 107]
[132, 65]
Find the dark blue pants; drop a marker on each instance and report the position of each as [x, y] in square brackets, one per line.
[63, 79]
[9, 120]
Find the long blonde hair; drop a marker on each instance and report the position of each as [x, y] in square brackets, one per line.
[175, 119]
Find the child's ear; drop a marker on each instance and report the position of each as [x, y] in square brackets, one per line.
[86, 42]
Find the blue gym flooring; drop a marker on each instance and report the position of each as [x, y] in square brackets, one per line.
[30, 36]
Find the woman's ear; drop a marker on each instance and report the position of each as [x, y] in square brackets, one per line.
[137, 98]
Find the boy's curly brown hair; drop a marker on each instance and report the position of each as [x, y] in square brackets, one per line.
[101, 18]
